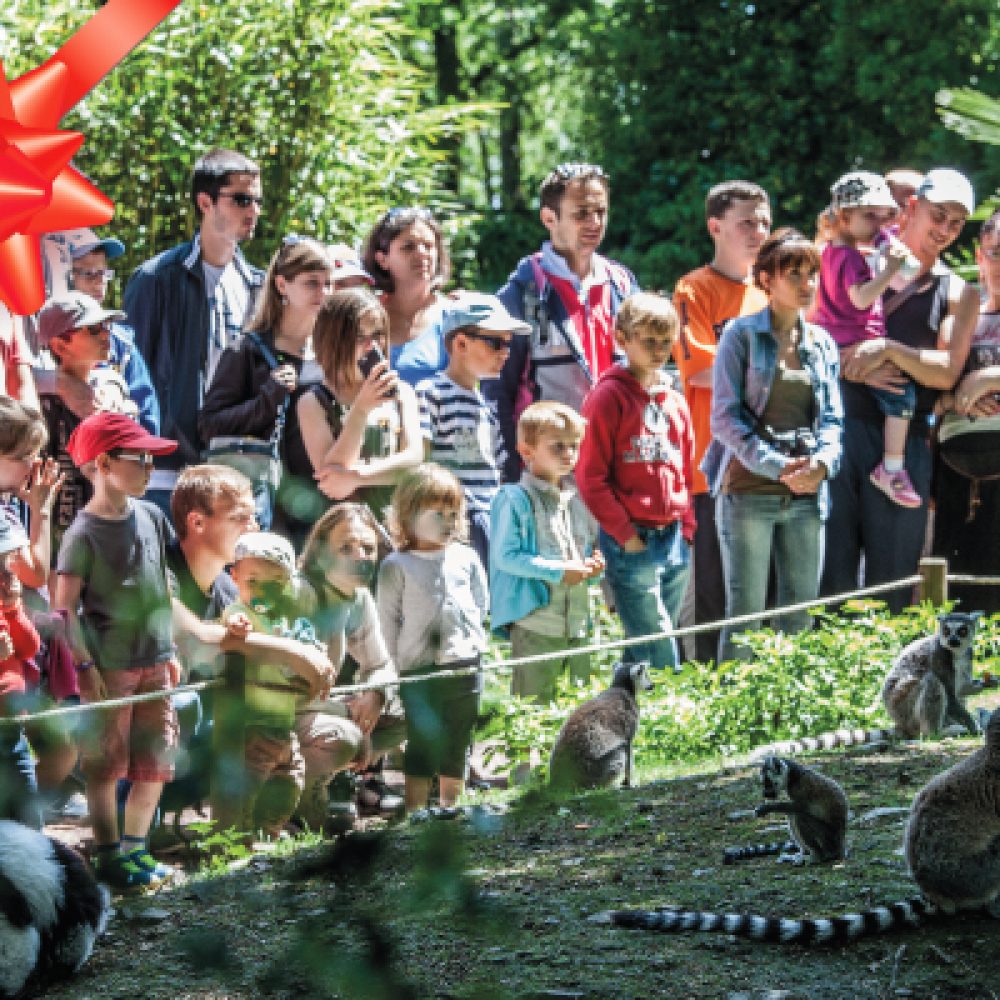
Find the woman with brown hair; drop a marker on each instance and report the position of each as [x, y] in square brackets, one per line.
[407, 256]
[777, 422]
[257, 382]
[360, 426]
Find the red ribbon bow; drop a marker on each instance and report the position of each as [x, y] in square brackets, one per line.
[39, 191]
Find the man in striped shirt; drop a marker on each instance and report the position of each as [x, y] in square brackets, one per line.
[460, 428]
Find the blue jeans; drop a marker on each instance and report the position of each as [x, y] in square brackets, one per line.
[648, 588]
[751, 528]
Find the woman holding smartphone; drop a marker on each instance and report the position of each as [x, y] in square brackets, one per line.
[360, 427]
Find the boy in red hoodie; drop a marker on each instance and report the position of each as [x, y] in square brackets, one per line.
[635, 474]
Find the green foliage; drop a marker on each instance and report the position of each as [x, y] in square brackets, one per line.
[971, 114]
[318, 92]
[796, 686]
[672, 98]
[788, 94]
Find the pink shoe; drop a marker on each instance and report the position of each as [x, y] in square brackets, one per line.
[896, 486]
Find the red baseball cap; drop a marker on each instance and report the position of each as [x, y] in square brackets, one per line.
[103, 432]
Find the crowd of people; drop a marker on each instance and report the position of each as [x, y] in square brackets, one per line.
[336, 469]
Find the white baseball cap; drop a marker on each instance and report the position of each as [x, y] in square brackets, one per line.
[861, 189]
[946, 185]
[268, 546]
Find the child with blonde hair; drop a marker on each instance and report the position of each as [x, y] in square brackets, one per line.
[542, 552]
[432, 599]
[849, 306]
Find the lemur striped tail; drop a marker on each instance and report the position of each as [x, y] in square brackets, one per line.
[733, 854]
[825, 741]
[783, 930]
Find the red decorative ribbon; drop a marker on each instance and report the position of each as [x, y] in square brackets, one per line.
[39, 191]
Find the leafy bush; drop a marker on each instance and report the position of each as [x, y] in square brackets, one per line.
[796, 686]
[319, 93]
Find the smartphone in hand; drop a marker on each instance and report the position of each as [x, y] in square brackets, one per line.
[369, 361]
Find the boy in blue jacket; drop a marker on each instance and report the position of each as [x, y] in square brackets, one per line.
[542, 552]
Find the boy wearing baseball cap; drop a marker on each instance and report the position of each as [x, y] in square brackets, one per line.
[460, 428]
[112, 584]
[273, 766]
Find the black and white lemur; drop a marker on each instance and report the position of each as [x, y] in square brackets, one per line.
[51, 909]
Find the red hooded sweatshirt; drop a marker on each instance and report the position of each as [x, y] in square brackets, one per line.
[14, 670]
[637, 458]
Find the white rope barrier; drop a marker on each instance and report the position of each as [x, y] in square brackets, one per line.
[328, 707]
[984, 581]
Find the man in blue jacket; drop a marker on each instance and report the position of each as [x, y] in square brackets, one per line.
[570, 295]
[188, 304]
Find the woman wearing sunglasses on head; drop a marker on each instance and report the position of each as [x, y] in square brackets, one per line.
[407, 256]
[360, 428]
[257, 382]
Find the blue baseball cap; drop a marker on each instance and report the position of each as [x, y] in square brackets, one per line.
[485, 312]
[112, 247]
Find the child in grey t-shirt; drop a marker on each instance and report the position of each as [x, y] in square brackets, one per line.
[112, 584]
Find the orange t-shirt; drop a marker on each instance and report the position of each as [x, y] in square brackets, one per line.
[705, 300]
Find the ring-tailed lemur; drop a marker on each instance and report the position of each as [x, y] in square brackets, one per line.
[953, 834]
[51, 909]
[952, 847]
[923, 691]
[825, 741]
[817, 815]
[594, 746]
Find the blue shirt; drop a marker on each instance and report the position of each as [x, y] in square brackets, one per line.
[424, 356]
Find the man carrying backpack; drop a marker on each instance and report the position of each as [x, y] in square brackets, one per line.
[570, 295]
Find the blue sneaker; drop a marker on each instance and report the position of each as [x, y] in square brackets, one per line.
[122, 873]
[157, 869]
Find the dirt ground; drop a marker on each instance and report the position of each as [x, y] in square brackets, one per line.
[497, 906]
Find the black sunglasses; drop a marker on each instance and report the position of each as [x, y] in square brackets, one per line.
[94, 329]
[243, 200]
[497, 343]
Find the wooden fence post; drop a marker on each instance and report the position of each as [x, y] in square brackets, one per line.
[934, 580]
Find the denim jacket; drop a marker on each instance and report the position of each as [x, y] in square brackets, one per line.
[744, 370]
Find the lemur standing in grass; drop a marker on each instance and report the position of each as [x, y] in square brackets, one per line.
[817, 815]
[594, 746]
[952, 847]
[924, 691]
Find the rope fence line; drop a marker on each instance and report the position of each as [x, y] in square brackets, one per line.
[327, 707]
[984, 581]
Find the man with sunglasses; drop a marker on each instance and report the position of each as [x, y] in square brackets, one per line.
[569, 294]
[189, 304]
[76, 330]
